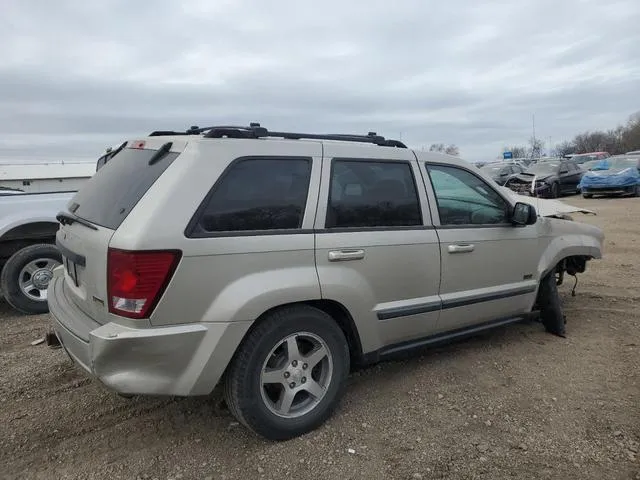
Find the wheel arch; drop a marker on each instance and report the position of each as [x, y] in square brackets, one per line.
[335, 310]
[22, 235]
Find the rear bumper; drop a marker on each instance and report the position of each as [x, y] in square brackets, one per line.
[184, 360]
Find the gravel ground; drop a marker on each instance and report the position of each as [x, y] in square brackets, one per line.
[512, 403]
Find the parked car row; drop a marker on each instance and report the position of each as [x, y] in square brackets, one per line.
[548, 179]
[554, 177]
[501, 172]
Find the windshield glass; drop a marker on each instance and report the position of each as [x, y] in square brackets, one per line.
[613, 164]
[492, 169]
[586, 157]
[545, 168]
[590, 164]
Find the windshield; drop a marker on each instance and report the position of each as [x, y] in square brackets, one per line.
[492, 169]
[544, 168]
[613, 164]
[586, 157]
[590, 164]
[109, 196]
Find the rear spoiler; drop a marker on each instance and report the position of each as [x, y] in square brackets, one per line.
[110, 153]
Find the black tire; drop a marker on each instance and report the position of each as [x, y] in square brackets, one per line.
[587, 195]
[551, 314]
[555, 190]
[243, 387]
[10, 277]
[636, 191]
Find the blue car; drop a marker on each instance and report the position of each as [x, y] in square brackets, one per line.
[614, 175]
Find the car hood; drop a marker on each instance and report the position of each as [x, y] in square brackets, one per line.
[547, 207]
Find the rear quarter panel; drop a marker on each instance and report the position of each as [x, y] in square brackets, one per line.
[230, 277]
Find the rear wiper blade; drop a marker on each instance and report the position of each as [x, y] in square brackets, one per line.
[67, 219]
[162, 151]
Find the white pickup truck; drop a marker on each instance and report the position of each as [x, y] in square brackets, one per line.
[28, 254]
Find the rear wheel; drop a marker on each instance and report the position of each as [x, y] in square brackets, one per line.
[289, 374]
[26, 276]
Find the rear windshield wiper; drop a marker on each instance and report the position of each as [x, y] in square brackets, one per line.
[67, 219]
[162, 151]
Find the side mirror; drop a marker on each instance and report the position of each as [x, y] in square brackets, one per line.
[523, 214]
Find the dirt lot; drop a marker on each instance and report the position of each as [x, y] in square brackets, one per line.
[514, 403]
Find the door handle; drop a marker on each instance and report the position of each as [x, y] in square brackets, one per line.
[345, 255]
[461, 248]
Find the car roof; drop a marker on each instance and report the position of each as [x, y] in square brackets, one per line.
[256, 132]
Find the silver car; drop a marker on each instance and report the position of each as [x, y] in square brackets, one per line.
[274, 262]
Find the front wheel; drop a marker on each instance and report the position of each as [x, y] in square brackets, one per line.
[587, 195]
[26, 276]
[551, 313]
[289, 373]
[555, 190]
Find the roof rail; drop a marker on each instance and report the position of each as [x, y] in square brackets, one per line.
[254, 130]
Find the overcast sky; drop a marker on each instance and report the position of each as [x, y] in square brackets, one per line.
[77, 76]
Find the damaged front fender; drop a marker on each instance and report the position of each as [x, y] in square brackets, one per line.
[547, 207]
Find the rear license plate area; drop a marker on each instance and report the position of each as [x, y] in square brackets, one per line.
[72, 271]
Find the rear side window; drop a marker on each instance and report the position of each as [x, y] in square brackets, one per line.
[256, 194]
[115, 189]
[372, 194]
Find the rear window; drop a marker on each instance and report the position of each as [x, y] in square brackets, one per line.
[115, 189]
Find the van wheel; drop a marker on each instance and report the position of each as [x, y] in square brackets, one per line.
[26, 275]
[551, 314]
[289, 373]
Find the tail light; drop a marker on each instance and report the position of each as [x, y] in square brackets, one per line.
[137, 279]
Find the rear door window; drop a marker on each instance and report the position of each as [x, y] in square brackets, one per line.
[256, 194]
[115, 189]
[372, 194]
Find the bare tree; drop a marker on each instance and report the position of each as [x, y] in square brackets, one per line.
[630, 138]
[620, 139]
[452, 150]
[535, 147]
[517, 151]
[564, 148]
[442, 148]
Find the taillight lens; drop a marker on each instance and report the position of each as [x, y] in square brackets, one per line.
[137, 279]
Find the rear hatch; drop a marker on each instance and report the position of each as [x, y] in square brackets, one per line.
[94, 214]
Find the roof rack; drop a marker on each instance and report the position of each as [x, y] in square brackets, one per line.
[254, 130]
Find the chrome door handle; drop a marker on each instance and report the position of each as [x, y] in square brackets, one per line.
[344, 255]
[461, 248]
